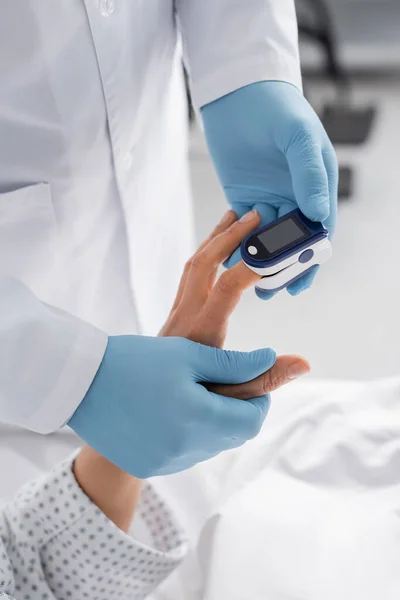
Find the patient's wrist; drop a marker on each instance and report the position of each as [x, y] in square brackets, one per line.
[114, 491]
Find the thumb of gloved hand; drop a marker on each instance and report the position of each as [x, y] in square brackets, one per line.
[228, 366]
[314, 177]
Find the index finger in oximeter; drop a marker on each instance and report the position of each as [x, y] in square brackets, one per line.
[285, 250]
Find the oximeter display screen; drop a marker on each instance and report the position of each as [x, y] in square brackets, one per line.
[282, 235]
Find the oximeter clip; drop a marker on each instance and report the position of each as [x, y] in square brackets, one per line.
[285, 250]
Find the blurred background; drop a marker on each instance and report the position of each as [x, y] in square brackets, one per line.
[348, 324]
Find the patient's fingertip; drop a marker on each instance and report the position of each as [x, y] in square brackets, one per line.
[297, 369]
[229, 217]
[252, 215]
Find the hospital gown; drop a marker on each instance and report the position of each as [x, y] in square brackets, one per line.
[57, 545]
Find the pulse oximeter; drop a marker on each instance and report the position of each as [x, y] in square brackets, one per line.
[285, 250]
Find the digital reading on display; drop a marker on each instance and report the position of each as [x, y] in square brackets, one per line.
[284, 234]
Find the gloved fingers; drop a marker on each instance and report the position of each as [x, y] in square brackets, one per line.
[222, 444]
[227, 220]
[262, 405]
[210, 326]
[237, 421]
[332, 169]
[214, 365]
[285, 370]
[267, 214]
[240, 208]
[286, 207]
[304, 283]
[198, 457]
[203, 266]
[264, 294]
[309, 176]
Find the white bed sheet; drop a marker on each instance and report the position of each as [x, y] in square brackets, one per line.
[310, 510]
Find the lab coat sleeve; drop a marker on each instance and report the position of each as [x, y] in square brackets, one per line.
[56, 544]
[48, 359]
[228, 44]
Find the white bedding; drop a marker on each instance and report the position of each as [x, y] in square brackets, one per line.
[310, 510]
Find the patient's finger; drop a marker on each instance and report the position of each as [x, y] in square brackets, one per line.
[205, 263]
[285, 370]
[210, 326]
[214, 252]
[227, 220]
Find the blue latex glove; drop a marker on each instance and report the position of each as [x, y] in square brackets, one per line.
[272, 154]
[148, 412]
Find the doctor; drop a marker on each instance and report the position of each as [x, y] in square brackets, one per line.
[95, 219]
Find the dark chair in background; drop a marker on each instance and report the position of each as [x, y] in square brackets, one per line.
[345, 123]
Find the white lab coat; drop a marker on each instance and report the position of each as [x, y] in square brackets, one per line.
[95, 218]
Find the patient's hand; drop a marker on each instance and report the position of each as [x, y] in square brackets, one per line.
[201, 312]
[204, 304]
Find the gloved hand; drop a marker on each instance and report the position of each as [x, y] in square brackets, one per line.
[272, 154]
[148, 412]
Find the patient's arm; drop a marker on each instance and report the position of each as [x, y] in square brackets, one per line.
[114, 491]
[201, 312]
[65, 534]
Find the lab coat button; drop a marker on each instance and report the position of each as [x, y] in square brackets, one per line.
[107, 7]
